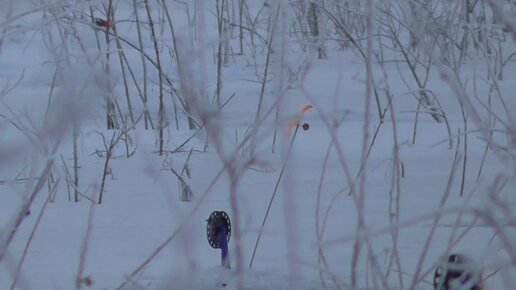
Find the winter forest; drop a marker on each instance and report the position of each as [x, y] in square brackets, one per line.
[257, 144]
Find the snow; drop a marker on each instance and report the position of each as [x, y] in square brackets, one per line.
[142, 214]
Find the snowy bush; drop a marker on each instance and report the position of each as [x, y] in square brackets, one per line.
[354, 144]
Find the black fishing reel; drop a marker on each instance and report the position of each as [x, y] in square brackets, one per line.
[217, 221]
[457, 273]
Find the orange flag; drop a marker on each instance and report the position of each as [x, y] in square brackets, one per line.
[295, 122]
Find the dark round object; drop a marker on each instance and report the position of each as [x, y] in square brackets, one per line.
[454, 272]
[306, 126]
[217, 221]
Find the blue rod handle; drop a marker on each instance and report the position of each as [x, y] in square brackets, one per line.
[224, 252]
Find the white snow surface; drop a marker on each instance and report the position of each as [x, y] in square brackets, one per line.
[141, 208]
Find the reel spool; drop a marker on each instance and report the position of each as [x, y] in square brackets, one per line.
[456, 273]
[217, 221]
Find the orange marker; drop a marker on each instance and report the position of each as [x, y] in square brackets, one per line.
[295, 122]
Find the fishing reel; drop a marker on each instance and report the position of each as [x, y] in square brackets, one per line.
[218, 233]
[457, 273]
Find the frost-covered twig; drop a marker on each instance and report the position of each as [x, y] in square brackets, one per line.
[266, 68]
[116, 136]
[395, 190]
[31, 238]
[121, 58]
[318, 231]
[141, 48]
[507, 21]
[161, 111]
[442, 203]
[80, 279]
[10, 231]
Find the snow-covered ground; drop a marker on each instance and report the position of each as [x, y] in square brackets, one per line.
[308, 240]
